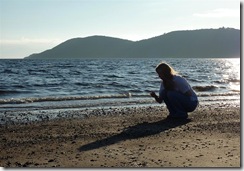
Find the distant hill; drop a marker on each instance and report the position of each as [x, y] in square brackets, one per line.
[203, 43]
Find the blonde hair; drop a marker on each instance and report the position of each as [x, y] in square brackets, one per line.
[168, 72]
[165, 68]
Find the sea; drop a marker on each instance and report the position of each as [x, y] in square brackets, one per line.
[39, 86]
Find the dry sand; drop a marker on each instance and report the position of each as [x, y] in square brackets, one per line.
[132, 138]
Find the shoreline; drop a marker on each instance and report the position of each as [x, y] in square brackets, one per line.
[32, 115]
[129, 137]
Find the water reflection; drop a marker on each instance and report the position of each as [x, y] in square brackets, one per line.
[232, 74]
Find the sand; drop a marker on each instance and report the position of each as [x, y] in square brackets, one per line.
[135, 137]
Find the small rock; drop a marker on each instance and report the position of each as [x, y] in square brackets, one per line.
[51, 160]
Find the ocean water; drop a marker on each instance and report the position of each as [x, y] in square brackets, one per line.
[27, 85]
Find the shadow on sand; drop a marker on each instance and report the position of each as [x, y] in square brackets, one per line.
[140, 130]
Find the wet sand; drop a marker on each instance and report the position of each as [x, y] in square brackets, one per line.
[137, 137]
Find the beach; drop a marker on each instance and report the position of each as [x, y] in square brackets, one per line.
[127, 137]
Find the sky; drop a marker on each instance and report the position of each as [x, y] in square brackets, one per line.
[33, 26]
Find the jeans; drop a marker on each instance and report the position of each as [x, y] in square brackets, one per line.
[178, 104]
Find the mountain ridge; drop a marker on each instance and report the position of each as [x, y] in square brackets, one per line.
[202, 43]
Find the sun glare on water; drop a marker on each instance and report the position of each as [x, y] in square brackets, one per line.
[233, 73]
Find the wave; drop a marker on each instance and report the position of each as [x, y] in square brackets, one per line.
[218, 94]
[227, 81]
[8, 92]
[96, 97]
[58, 98]
[195, 80]
[10, 71]
[234, 80]
[205, 88]
[11, 92]
[113, 76]
[118, 85]
[82, 84]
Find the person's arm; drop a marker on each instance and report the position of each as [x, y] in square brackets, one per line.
[157, 98]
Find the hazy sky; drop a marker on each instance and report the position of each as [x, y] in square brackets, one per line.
[32, 26]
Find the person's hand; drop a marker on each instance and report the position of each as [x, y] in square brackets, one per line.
[153, 94]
